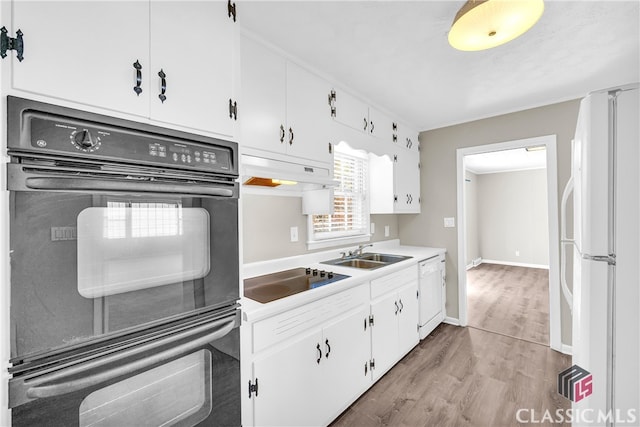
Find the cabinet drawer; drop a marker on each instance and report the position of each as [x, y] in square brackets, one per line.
[393, 281]
[291, 323]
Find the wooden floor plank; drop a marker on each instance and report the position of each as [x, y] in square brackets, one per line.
[462, 377]
[509, 300]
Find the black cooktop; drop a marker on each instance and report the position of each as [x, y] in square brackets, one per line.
[271, 287]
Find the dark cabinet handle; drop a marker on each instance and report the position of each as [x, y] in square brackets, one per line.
[401, 306]
[137, 88]
[163, 86]
[371, 127]
[281, 134]
[365, 123]
[328, 348]
[366, 368]
[319, 353]
[397, 308]
[291, 135]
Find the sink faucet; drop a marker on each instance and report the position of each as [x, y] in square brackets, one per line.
[358, 252]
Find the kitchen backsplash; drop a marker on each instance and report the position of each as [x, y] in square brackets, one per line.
[267, 220]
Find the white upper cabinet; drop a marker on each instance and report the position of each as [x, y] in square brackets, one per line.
[349, 110]
[84, 51]
[395, 179]
[284, 106]
[264, 85]
[109, 54]
[307, 122]
[406, 173]
[380, 125]
[192, 44]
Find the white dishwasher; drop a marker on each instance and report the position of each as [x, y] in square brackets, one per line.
[431, 293]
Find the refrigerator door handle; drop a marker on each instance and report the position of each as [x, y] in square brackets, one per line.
[568, 296]
[564, 241]
[568, 189]
[69, 379]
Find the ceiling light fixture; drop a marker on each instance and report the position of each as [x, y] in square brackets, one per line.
[483, 24]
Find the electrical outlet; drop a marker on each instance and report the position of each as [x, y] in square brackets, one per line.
[386, 231]
[294, 234]
[517, 253]
[373, 228]
[449, 222]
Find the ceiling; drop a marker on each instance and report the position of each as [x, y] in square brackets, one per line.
[505, 161]
[396, 54]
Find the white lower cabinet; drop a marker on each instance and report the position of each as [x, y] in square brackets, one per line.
[310, 379]
[309, 363]
[394, 326]
[287, 381]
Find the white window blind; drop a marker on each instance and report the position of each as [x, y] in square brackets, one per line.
[351, 213]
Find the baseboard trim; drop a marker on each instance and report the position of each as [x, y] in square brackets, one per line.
[451, 321]
[566, 349]
[474, 263]
[515, 264]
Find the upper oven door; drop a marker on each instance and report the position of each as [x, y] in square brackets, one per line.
[93, 256]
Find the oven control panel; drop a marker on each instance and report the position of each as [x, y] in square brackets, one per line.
[63, 135]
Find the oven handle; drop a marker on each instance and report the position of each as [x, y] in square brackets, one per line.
[41, 387]
[84, 184]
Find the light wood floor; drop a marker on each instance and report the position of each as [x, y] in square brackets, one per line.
[509, 300]
[462, 377]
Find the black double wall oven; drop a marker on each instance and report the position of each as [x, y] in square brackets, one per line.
[124, 272]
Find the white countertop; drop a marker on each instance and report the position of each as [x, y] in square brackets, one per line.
[253, 310]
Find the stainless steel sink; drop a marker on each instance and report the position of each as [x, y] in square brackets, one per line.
[386, 258]
[367, 261]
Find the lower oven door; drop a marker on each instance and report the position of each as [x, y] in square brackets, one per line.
[94, 257]
[190, 378]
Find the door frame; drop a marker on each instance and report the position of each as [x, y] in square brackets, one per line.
[549, 141]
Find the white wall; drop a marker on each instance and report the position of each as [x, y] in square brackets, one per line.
[512, 216]
[439, 181]
[266, 222]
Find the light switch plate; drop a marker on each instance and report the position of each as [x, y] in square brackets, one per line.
[373, 228]
[294, 234]
[386, 231]
[449, 222]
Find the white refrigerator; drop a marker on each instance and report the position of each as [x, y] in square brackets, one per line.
[604, 295]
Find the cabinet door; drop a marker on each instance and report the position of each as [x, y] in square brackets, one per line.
[351, 111]
[381, 126]
[347, 350]
[384, 333]
[84, 51]
[407, 181]
[307, 115]
[192, 43]
[263, 82]
[408, 335]
[288, 384]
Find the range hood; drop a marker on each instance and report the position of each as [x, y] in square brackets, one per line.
[284, 175]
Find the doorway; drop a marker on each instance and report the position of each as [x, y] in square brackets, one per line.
[548, 144]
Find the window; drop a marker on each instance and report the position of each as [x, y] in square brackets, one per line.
[350, 219]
